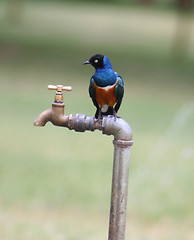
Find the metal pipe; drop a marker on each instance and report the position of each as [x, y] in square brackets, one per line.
[118, 208]
[122, 142]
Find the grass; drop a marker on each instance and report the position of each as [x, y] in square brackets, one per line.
[55, 183]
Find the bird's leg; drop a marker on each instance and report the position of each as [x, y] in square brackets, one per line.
[99, 113]
[115, 114]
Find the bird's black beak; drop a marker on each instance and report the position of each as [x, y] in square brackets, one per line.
[87, 62]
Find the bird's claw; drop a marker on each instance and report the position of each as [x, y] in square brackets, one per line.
[99, 119]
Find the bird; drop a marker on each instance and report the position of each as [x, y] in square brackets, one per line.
[106, 87]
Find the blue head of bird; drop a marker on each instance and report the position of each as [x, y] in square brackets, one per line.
[99, 61]
[104, 75]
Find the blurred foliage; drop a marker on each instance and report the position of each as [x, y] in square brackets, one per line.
[151, 3]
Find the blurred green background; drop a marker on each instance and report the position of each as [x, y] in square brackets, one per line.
[55, 183]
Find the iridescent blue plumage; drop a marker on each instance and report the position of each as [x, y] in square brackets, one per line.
[106, 86]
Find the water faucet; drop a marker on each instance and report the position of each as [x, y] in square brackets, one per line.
[56, 113]
[122, 145]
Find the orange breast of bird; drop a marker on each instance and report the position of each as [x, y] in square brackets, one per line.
[105, 95]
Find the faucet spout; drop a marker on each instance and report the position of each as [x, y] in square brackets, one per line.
[43, 118]
[55, 115]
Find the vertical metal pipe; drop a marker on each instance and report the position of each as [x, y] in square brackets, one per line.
[119, 194]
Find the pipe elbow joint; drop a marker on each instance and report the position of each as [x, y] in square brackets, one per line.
[118, 127]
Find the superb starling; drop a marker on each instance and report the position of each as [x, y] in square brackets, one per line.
[106, 86]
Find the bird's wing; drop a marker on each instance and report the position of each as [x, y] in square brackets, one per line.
[119, 91]
[92, 92]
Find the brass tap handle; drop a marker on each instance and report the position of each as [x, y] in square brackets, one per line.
[59, 91]
[59, 88]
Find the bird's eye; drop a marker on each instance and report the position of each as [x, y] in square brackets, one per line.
[96, 60]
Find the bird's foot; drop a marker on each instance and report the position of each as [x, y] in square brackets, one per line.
[98, 119]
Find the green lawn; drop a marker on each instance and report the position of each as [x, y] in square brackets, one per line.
[55, 183]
